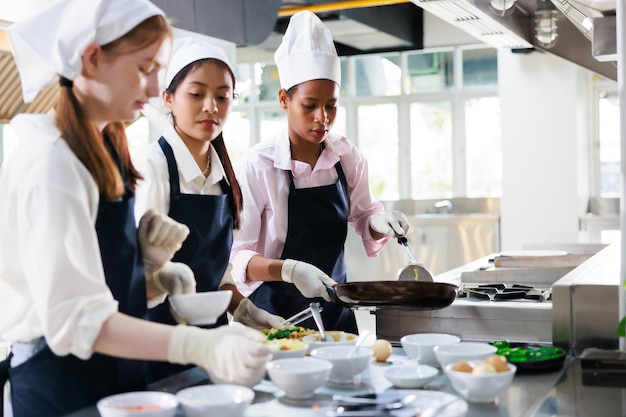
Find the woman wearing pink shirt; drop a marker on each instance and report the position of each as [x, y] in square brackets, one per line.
[303, 187]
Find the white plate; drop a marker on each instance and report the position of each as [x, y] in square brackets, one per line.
[533, 253]
[410, 376]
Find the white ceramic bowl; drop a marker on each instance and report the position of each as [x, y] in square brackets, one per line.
[256, 379]
[138, 404]
[338, 337]
[410, 376]
[215, 400]
[201, 307]
[299, 377]
[463, 351]
[345, 368]
[289, 348]
[420, 346]
[479, 388]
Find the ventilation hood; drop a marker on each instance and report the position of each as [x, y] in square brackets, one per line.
[585, 29]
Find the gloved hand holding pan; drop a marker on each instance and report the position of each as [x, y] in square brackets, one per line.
[413, 295]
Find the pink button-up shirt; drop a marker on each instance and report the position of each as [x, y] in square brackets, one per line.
[264, 179]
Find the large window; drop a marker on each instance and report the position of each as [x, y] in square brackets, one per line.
[431, 150]
[428, 121]
[609, 143]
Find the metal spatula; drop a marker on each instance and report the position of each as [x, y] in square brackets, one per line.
[415, 270]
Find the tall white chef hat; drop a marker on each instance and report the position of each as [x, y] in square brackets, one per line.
[51, 42]
[307, 52]
[188, 50]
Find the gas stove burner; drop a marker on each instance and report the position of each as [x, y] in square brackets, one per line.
[502, 292]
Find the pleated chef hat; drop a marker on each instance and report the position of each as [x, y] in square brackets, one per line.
[307, 52]
[187, 50]
[51, 42]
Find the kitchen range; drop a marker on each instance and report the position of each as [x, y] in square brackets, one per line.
[493, 303]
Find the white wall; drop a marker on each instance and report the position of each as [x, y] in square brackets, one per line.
[543, 135]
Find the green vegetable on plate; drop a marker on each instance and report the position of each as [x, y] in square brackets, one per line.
[527, 353]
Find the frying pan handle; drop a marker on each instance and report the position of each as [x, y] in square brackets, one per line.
[331, 293]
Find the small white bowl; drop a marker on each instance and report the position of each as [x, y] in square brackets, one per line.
[289, 348]
[345, 368]
[420, 346]
[410, 376]
[299, 377]
[256, 379]
[479, 388]
[215, 400]
[201, 307]
[138, 404]
[463, 351]
[337, 337]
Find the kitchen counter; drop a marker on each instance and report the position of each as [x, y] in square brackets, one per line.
[526, 394]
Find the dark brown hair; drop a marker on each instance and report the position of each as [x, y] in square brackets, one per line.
[84, 139]
[234, 191]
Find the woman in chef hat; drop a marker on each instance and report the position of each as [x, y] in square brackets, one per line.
[73, 287]
[304, 187]
[188, 174]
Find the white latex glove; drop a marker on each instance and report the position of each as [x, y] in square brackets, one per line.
[159, 237]
[235, 354]
[308, 279]
[391, 223]
[175, 278]
[250, 315]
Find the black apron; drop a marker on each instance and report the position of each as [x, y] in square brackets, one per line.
[50, 385]
[206, 250]
[317, 227]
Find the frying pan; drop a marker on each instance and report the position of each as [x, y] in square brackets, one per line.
[413, 295]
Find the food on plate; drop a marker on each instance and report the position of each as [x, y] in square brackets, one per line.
[294, 332]
[499, 362]
[381, 349]
[483, 369]
[336, 335]
[288, 344]
[527, 354]
[462, 366]
[492, 365]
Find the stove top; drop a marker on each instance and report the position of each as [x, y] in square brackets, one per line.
[503, 292]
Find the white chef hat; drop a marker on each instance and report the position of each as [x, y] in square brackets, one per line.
[307, 52]
[51, 42]
[188, 50]
[185, 51]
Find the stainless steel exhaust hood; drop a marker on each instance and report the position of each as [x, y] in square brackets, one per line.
[577, 41]
[474, 18]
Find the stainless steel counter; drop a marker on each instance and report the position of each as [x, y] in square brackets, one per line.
[527, 394]
[570, 397]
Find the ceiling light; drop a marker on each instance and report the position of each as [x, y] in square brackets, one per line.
[545, 27]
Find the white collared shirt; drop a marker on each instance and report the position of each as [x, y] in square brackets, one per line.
[264, 179]
[153, 192]
[52, 280]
